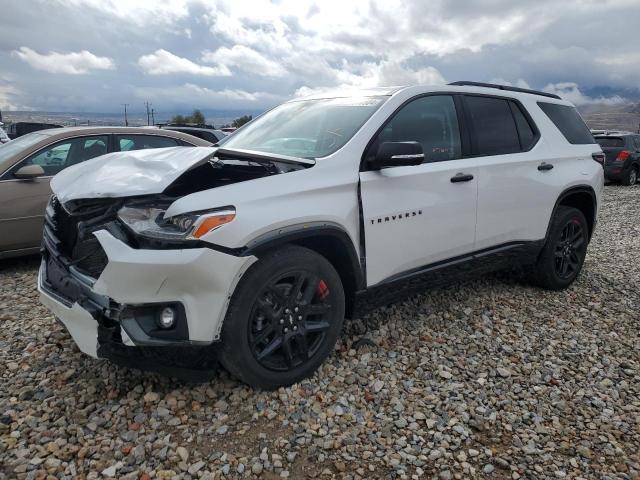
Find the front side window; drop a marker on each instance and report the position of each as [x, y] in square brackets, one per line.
[142, 142]
[306, 128]
[430, 121]
[567, 119]
[65, 153]
[493, 127]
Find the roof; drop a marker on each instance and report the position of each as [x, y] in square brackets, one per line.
[613, 133]
[458, 87]
[61, 133]
[351, 92]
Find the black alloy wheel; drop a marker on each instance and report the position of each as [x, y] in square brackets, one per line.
[290, 319]
[562, 257]
[570, 249]
[284, 318]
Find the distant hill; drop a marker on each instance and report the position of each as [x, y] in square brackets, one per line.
[612, 117]
[215, 117]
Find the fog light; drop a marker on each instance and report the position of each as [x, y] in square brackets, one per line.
[167, 317]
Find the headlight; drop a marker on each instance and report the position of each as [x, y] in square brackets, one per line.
[151, 222]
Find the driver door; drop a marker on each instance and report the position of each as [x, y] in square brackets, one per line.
[415, 216]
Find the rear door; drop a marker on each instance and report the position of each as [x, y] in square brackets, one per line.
[132, 141]
[515, 192]
[415, 216]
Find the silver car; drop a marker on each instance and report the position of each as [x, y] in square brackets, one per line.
[28, 163]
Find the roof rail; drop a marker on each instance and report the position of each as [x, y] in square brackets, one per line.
[464, 83]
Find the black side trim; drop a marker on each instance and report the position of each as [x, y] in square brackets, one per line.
[443, 273]
[515, 252]
[301, 231]
[465, 83]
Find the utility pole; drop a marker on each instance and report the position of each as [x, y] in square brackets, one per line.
[153, 118]
[126, 121]
[147, 105]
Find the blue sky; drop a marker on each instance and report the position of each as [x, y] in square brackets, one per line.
[94, 55]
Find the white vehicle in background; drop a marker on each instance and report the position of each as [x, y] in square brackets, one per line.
[253, 253]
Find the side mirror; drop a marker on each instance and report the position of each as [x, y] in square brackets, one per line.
[29, 172]
[397, 154]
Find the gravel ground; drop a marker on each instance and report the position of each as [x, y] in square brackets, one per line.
[490, 379]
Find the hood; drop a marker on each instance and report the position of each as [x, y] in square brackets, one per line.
[126, 174]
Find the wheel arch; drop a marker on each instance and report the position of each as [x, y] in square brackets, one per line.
[583, 198]
[327, 239]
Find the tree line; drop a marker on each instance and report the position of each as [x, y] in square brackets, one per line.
[197, 117]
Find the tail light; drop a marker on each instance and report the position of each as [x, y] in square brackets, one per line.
[598, 157]
[623, 156]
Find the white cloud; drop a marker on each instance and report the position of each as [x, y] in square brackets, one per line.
[571, 92]
[162, 62]
[246, 59]
[263, 51]
[140, 12]
[203, 97]
[73, 63]
[7, 95]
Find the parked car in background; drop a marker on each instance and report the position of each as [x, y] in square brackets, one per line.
[28, 163]
[254, 252]
[204, 132]
[228, 130]
[3, 136]
[622, 156]
[18, 129]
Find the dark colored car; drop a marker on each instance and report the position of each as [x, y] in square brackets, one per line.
[622, 156]
[18, 129]
[205, 132]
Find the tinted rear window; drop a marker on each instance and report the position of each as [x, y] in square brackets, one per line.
[494, 127]
[569, 122]
[610, 141]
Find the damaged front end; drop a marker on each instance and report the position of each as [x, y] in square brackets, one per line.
[135, 286]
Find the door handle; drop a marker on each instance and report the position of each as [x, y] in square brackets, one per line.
[461, 177]
[543, 167]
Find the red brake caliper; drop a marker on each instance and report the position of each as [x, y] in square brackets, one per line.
[323, 290]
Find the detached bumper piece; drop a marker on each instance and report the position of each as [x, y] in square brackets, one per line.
[128, 335]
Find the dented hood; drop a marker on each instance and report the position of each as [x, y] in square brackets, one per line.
[125, 174]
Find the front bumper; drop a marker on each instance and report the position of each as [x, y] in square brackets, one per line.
[97, 312]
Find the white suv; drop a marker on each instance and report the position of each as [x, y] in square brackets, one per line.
[253, 253]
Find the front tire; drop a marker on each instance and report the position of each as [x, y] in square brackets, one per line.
[284, 318]
[563, 254]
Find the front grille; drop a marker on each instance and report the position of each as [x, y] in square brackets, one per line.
[72, 232]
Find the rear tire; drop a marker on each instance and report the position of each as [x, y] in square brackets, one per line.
[631, 177]
[563, 254]
[284, 318]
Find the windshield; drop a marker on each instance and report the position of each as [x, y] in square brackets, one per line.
[14, 146]
[610, 141]
[306, 128]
